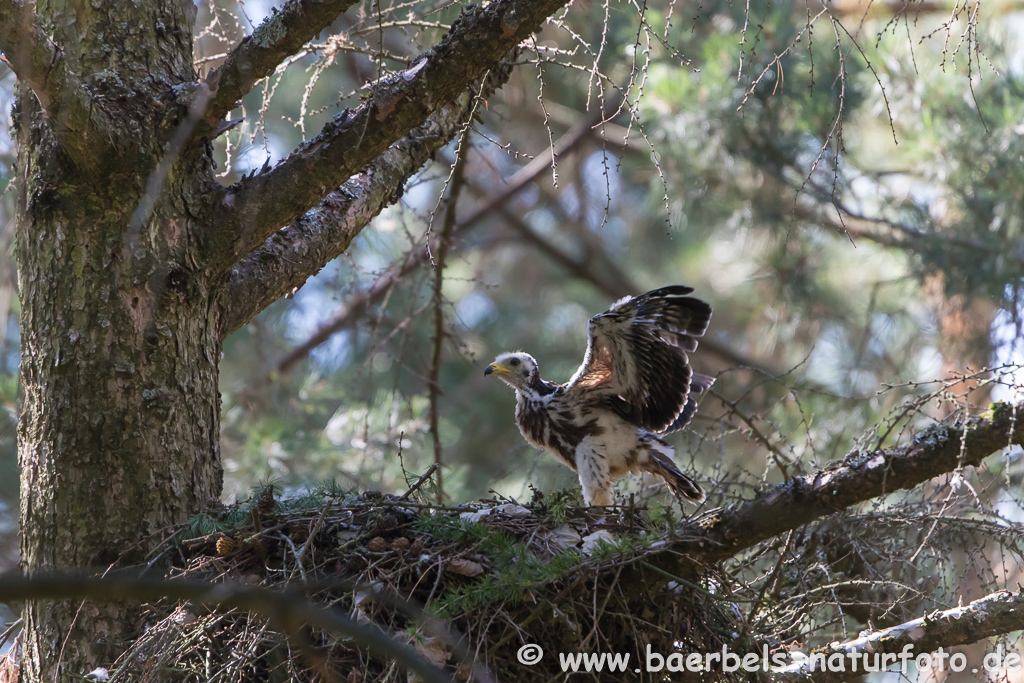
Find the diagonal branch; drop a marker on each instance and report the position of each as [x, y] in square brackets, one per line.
[249, 212]
[281, 35]
[993, 615]
[83, 129]
[289, 608]
[284, 262]
[860, 477]
[358, 303]
[294, 254]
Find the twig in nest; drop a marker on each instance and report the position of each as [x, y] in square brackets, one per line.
[420, 482]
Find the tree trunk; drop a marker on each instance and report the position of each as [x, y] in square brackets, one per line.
[126, 245]
[120, 343]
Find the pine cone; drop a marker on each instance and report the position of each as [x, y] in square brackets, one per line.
[265, 502]
[226, 545]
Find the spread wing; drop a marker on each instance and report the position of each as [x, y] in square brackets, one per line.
[636, 357]
[698, 383]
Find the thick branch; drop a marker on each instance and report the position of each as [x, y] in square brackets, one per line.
[860, 477]
[357, 304]
[281, 35]
[82, 128]
[993, 615]
[293, 255]
[248, 213]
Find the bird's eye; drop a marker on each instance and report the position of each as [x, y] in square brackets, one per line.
[514, 362]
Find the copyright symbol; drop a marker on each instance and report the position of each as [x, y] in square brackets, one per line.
[529, 654]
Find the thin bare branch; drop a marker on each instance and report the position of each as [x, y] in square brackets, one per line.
[419, 482]
[860, 477]
[285, 261]
[281, 35]
[616, 285]
[249, 212]
[357, 304]
[455, 188]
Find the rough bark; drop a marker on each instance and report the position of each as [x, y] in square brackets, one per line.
[356, 306]
[123, 302]
[294, 254]
[83, 129]
[281, 35]
[997, 614]
[859, 477]
[120, 424]
[248, 213]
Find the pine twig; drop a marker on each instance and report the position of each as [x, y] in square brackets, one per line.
[454, 188]
[420, 482]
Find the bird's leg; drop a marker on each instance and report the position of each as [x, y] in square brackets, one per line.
[592, 467]
[597, 496]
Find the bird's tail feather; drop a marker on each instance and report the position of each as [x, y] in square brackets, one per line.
[681, 485]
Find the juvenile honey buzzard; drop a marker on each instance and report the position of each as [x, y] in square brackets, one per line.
[635, 385]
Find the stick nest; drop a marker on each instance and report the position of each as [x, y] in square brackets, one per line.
[466, 587]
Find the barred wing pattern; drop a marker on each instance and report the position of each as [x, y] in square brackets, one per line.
[636, 358]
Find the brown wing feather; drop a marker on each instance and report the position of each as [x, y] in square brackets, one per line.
[698, 383]
[636, 355]
[599, 370]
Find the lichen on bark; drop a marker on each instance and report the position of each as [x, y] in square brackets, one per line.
[120, 423]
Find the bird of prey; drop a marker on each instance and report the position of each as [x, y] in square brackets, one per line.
[634, 386]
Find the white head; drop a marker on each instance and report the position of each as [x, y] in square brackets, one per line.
[517, 369]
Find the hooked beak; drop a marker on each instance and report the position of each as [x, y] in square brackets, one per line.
[495, 368]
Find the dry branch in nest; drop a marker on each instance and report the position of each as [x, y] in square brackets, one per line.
[498, 573]
[466, 587]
